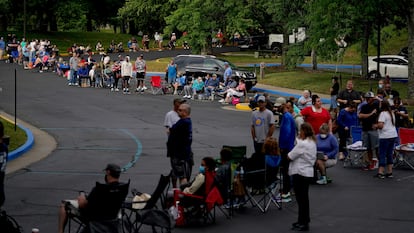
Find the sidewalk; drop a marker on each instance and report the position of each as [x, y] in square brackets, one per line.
[43, 145]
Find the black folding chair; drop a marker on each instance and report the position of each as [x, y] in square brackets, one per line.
[101, 213]
[151, 214]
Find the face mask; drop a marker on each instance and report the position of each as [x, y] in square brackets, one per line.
[380, 86]
[323, 135]
[202, 169]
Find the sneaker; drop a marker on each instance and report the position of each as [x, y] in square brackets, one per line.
[116, 89]
[112, 89]
[389, 175]
[379, 175]
[69, 84]
[322, 180]
[138, 89]
[284, 198]
[144, 88]
[221, 101]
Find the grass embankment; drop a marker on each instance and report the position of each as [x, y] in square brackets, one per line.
[17, 138]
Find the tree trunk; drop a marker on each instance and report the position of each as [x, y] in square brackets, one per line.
[410, 22]
[314, 58]
[89, 22]
[285, 47]
[364, 48]
[3, 23]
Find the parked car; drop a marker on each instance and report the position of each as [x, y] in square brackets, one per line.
[200, 65]
[393, 66]
[404, 52]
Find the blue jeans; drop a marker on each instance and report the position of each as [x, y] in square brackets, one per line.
[334, 104]
[73, 76]
[386, 149]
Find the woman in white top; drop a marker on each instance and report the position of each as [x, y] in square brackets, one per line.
[387, 134]
[301, 169]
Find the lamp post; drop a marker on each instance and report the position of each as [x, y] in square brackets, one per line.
[24, 18]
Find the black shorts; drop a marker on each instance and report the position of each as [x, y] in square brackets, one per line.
[126, 78]
[140, 75]
[181, 168]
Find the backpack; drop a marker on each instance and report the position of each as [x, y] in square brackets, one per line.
[8, 224]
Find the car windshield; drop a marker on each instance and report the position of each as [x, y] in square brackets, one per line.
[221, 63]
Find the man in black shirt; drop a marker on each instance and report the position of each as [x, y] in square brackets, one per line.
[368, 117]
[345, 97]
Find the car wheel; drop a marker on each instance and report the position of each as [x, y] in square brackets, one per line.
[277, 50]
[374, 75]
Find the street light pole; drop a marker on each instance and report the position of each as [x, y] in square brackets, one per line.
[24, 19]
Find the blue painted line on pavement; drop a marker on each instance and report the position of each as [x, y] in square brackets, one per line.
[137, 153]
[25, 147]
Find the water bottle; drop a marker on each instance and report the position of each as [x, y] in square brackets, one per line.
[241, 173]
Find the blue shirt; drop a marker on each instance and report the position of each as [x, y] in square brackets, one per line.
[227, 73]
[287, 135]
[172, 71]
[328, 145]
[2, 44]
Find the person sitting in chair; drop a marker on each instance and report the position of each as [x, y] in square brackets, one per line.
[89, 208]
[327, 147]
[208, 164]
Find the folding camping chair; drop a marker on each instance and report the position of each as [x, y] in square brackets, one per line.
[200, 206]
[356, 151]
[238, 157]
[105, 200]
[157, 85]
[262, 185]
[139, 213]
[405, 151]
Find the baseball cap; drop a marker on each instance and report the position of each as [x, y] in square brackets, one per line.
[369, 94]
[280, 101]
[261, 98]
[113, 168]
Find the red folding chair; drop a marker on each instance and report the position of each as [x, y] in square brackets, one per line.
[405, 151]
[157, 86]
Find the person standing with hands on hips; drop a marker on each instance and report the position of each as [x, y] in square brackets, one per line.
[263, 125]
[303, 157]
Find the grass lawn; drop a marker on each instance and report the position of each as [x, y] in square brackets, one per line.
[17, 138]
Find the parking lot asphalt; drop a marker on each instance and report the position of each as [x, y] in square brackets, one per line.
[85, 128]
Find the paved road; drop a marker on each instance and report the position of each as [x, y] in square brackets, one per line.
[94, 126]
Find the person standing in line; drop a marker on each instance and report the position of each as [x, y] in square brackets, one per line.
[126, 73]
[316, 115]
[287, 137]
[172, 116]
[387, 135]
[141, 68]
[334, 94]
[228, 72]
[179, 145]
[2, 48]
[347, 118]
[171, 72]
[3, 162]
[345, 97]
[73, 64]
[368, 116]
[263, 125]
[301, 168]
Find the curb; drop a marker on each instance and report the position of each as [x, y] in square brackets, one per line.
[285, 94]
[23, 148]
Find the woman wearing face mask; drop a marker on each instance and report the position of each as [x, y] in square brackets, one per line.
[327, 147]
[208, 164]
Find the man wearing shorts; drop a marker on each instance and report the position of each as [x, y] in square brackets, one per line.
[368, 117]
[126, 73]
[141, 69]
[179, 146]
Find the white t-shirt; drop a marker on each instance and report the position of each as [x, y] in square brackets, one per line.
[171, 118]
[388, 131]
